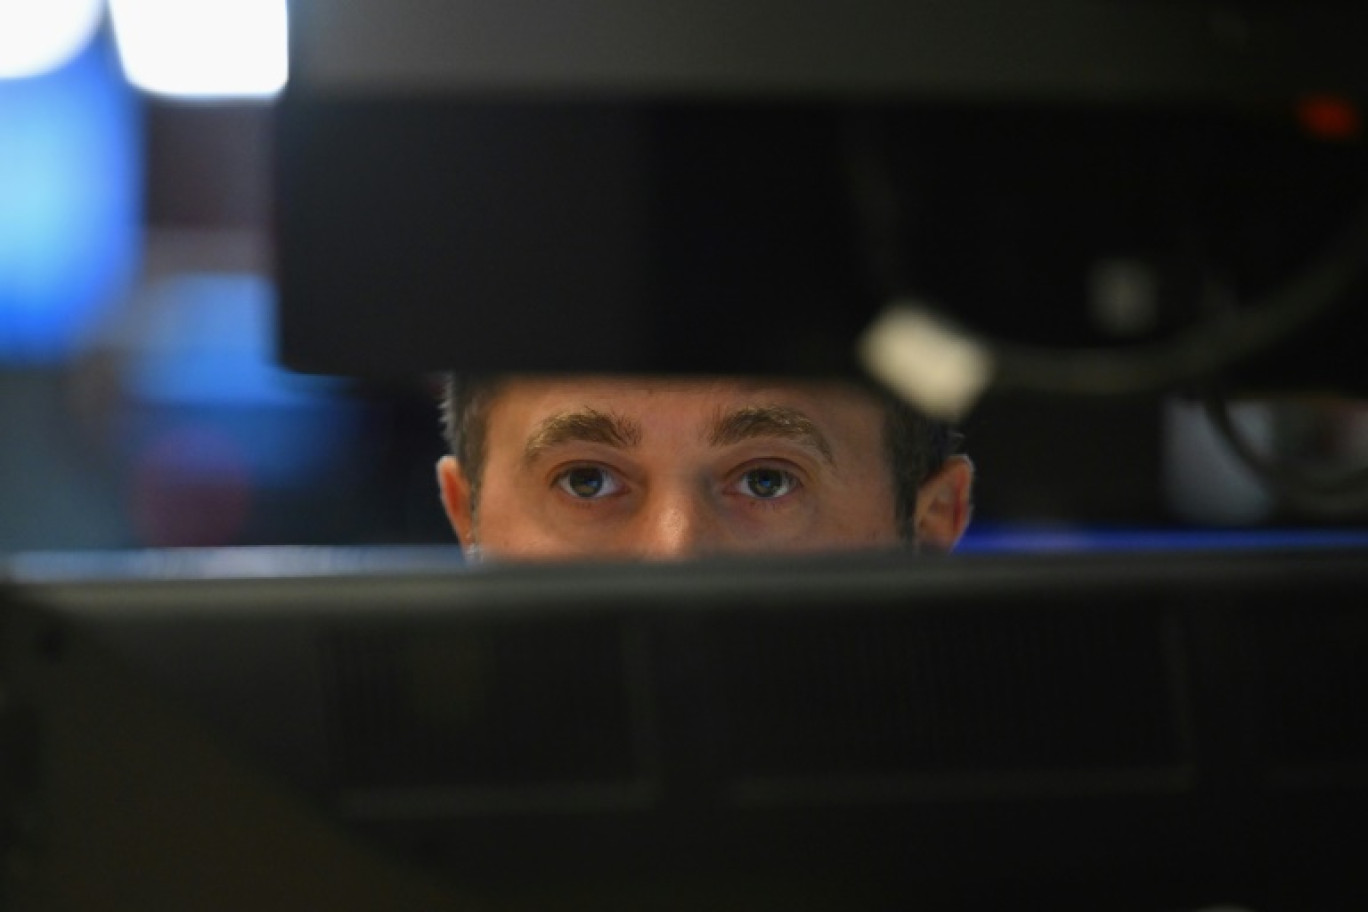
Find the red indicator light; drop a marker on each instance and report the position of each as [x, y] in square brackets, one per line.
[1329, 117]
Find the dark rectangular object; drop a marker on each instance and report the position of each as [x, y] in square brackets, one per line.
[1135, 731]
[496, 187]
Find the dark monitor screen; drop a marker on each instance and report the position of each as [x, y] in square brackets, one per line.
[1146, 731]
[744, 187]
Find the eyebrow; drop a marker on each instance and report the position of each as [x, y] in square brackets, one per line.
[583, 426]
[760, 421]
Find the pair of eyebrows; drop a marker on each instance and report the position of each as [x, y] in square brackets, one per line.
[751, 422]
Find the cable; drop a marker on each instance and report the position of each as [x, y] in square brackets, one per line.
[1316, 494]
[1199, 352]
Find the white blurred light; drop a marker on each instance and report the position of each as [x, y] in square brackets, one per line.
[925, 360]
[203, 48]
[37, 36]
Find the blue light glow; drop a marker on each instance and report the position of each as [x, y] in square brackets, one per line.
[207, 339]
[70, 204]
[199, 360]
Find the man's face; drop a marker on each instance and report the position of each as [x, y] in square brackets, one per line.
[659, 468]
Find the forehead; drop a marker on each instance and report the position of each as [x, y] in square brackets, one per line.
[841, 410]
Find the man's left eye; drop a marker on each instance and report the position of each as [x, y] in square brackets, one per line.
[588, 483]
[767, 484]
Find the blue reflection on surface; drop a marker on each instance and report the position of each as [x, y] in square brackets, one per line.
[989, 539]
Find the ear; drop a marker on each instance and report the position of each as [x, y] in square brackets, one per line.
[943, 505]
[456, 498]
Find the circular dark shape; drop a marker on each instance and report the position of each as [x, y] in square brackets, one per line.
[766, 483]
[586, 482]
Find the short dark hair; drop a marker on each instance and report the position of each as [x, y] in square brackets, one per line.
[917, 446]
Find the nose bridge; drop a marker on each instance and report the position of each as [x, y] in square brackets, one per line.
[677, 522]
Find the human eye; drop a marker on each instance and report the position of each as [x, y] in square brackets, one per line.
[588, 482]
[766, 483]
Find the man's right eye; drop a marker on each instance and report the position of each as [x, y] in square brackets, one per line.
[588, 482]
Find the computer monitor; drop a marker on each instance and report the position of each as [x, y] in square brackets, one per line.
[1154, 731]
[743, 187]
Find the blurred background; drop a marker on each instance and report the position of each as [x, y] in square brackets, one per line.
[141, 404]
